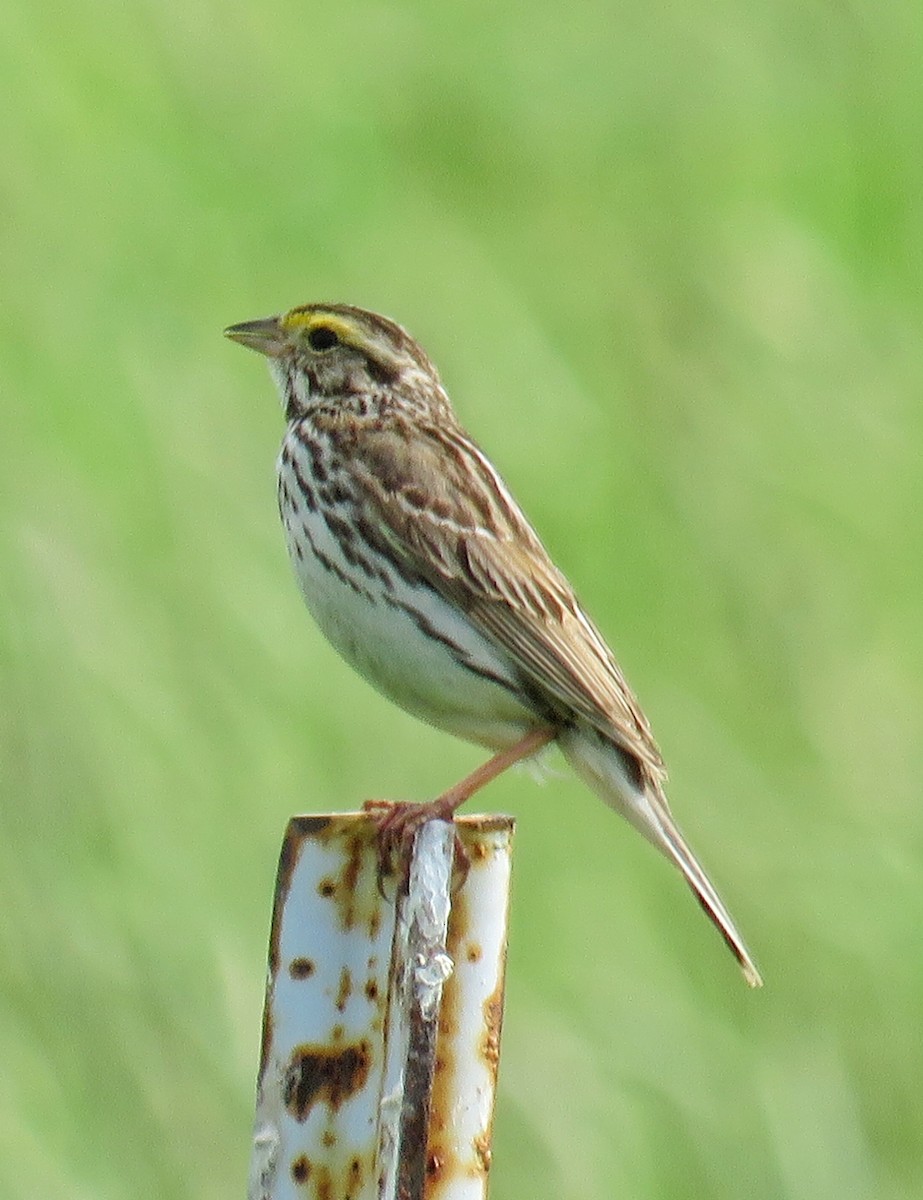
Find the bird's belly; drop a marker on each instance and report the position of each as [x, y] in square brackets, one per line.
[406, 640]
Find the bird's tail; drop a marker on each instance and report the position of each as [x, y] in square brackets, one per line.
[602, 766]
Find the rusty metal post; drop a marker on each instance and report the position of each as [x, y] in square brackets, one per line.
[381, 1027]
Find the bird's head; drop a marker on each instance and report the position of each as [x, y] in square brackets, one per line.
[334, 355]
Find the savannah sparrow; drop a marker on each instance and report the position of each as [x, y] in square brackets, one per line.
[421, 569]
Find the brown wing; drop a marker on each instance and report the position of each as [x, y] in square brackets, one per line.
[447, 515]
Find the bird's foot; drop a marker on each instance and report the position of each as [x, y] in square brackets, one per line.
[397, 823]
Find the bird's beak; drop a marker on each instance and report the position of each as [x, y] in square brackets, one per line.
[265, 335]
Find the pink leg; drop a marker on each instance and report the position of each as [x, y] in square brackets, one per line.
[449, 801]
[398, 822]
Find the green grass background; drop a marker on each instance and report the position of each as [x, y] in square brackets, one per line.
[670, 262]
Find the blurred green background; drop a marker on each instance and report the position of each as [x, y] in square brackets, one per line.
[670, 263]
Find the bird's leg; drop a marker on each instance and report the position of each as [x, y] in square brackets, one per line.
[398, 821]
[449, 801]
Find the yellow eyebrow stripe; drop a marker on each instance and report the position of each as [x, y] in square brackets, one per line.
[300, 319]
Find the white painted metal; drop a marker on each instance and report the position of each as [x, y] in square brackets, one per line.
[373, 1021]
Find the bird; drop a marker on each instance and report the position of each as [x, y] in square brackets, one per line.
[424, 573]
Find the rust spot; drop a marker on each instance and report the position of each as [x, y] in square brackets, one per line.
[478, 852]
[301, 968]
[345, 990]
[486, 823]
[437, 1122]
[356, 1179]
[371, 990]
[296, 831]
[336, 1033]
[308, 826]
[439, 1114]
[329, 1138]
[354, 888]
[459, 924]
[324, 1184]
[482, 1151]
[474, 953]
[345, 886]
[321, 1073]
[265, 1036]
[353, 864]
[473, 831]
[493, 1023]
[301, 1169]
[441, 1163]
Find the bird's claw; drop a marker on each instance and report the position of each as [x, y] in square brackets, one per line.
[397, 823]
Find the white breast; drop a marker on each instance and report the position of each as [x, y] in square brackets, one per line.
[403, 638]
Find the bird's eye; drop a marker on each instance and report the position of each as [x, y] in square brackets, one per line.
[322, 337]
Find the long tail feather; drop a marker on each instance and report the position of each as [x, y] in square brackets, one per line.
[601, 765]
[678, 849]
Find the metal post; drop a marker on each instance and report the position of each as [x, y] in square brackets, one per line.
[381, 1028]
